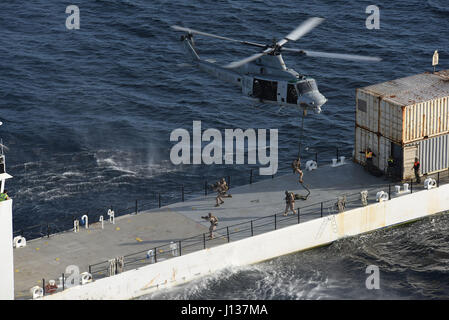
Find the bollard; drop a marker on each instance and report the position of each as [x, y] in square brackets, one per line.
[205, 188]
[321, 209]
[299, 214]
[316, 158]
[182, 192]
[438, 179]
[63, 281]
[411, 185]
[227, 232]
[275, 222]
[337, 152]
[159, 200]
[389, 192]
[48, 230]
[136, 210]
[155, 255]
[179, 245]
[252, 233]
[43, 286]
[251, 177]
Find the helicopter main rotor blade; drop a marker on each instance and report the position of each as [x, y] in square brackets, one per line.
[301, 30]
[319, 54]
[193, 31]
[239, 63]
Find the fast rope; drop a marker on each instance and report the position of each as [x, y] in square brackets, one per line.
[301, 132]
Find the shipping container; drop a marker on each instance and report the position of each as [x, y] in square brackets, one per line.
[407, 109]
[380, 146]
[433, 153]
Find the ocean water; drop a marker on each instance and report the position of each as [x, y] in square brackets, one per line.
[88, 113]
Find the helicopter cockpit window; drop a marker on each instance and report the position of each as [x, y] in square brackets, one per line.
[306, 86]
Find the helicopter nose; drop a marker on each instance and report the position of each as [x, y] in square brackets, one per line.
[322, 100]
[317, 101]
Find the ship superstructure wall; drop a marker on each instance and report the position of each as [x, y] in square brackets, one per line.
[307, 235]
[6, 252]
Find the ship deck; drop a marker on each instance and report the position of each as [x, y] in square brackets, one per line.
[47, 258]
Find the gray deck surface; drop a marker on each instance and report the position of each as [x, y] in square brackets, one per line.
[48, 257]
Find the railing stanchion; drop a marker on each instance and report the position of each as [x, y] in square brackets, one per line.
[438, 180]
[275, 222]
[159, 200]
[43, 286]
[63, 279]
[299, 214]
[227, 232]
[389, 192]
[252, 232]
[136, 210]
[90, 269]
[179, 247]
[204, 240]
[321, 209]
[155, 255]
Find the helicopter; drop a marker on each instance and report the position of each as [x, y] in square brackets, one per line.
[263, 76]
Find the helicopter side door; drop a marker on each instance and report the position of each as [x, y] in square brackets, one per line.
[265, 90]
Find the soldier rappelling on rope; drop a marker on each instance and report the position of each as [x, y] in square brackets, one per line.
[296, 166]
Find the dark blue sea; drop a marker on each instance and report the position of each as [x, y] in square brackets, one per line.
[87, 116]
